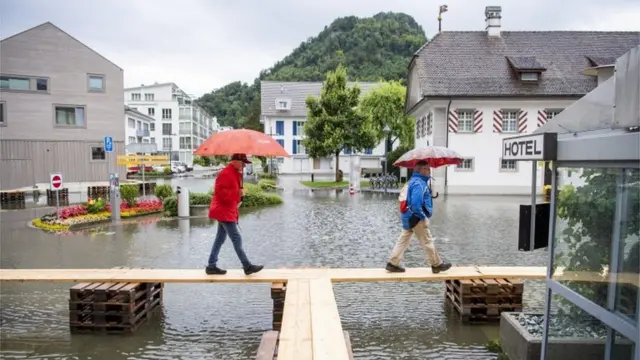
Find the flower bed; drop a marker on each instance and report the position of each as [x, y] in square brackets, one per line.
[92, 212]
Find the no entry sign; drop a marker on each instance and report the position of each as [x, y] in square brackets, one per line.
[56, 181]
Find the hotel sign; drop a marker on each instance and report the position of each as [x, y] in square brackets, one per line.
[531, 147]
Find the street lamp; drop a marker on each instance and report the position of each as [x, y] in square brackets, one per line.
[386, 132]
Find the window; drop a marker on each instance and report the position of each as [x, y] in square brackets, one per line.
[132, 139]
[419, 122]
[69, 116]
[552, 113]
[145, 126]
[281, 142]
[347, 151]
[368, 151]
[135, 96]
[166, 144]
[166, 114]
[152, 127]
[509, 121]
[529, 76]
[466, 165]
[280, 128]
[139, 125]
[149, 97]
[24, 83]
[465, 121]
[151, 111]
[185, 142]
[298, 147]
[3, 113]
[508, 165]
[166, 129]
[152, 140]
[298, 128]
[131, 123]
[97, 153]
[96, 83]
[185, 128]
[145, 141]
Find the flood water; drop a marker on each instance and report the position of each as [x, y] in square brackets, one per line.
[226, 321]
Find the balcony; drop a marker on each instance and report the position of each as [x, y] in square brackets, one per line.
[142, 132]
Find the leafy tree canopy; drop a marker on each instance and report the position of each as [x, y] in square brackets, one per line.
[373, 49]
[334, 122]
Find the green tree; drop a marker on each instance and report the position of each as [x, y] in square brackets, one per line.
[334, 122]
[588, 214]
[384, 106]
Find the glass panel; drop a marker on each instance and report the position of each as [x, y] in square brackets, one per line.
[623, 348]
[14, 83]
[42, 84]
[79, 116]
[573, 333]
[626, 299]
[96, 82]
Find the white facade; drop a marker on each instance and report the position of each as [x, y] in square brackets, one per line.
[475, 129]
[289, 132]
[179, 125]
[137, 127]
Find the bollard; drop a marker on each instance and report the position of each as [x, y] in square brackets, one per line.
[183, 202]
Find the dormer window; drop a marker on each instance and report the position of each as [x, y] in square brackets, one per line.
[529, 76]
[283, 104]
[526, 68]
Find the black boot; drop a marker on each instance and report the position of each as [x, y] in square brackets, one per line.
[252, 269]
[444, 266]
[393, 268]
[214, 270]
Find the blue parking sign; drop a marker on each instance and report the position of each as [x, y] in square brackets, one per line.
[108, 144]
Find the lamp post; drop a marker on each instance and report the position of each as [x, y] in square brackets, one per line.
[386, 132]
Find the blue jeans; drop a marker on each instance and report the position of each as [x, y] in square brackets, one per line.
[231, 229]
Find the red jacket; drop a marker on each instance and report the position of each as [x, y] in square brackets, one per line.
[226, 195]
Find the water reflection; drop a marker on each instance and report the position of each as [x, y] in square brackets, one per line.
[225, 321]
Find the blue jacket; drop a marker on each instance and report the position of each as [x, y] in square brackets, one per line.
[418, 195]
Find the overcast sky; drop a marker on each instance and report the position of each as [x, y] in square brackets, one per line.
[204, 44]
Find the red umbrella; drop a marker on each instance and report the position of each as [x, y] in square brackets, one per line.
[436, 156]
[241, 141]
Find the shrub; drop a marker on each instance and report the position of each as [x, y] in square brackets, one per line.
[170, 206]
[199, 199]
[267, 184]
[167, 171]
[265, 175]
[163, 191]
[130, 193]
[95, 206]
[256, 197]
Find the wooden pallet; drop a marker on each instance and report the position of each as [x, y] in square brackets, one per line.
[278, 292]
[484, 300]
[95, 192]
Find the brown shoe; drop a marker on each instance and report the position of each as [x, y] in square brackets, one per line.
[393, 268]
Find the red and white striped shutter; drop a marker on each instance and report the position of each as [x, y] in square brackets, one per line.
[477, 121]
[497, 121]
[542, 117]
[453, 121]
[522, 121]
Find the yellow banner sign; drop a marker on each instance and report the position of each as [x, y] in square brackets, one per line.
[146, 159]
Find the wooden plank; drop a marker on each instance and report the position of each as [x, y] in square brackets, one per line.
[326, 328]
[295, 334]
[267, 275]
[347, 340]
[267, 348]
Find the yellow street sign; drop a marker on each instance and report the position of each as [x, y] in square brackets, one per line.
[146, 159]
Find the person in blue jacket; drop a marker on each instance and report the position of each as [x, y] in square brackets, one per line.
[415, 219]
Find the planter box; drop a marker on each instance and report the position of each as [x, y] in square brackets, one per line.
[519, 344]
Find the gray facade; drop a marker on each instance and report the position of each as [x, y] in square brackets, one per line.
[59, 100]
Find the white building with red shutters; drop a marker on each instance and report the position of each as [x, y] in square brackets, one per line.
[468, 90]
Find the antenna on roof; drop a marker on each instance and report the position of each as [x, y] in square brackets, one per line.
[443, 9]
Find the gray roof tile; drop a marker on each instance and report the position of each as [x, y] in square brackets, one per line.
[469, 63]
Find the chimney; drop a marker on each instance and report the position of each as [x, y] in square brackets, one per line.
[493, 14]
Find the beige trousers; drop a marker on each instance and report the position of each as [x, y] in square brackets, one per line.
[424, 238]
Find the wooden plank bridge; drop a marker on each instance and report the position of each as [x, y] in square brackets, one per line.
[311, 328]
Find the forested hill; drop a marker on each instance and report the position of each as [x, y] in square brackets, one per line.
[372, 49]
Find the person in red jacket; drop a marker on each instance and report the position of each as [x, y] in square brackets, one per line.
[227, 196]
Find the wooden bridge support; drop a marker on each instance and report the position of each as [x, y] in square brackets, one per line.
[483, 300]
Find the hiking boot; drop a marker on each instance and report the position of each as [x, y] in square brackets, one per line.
[253, 269]
[392, 268]
[214, 270]
[444, 266]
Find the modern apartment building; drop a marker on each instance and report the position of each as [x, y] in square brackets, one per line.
[283, 113]
[58, 100]
[138, 126]
[179, 125]
[468, 90]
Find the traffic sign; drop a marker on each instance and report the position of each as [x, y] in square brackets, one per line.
[108, 144]
[56, 181]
